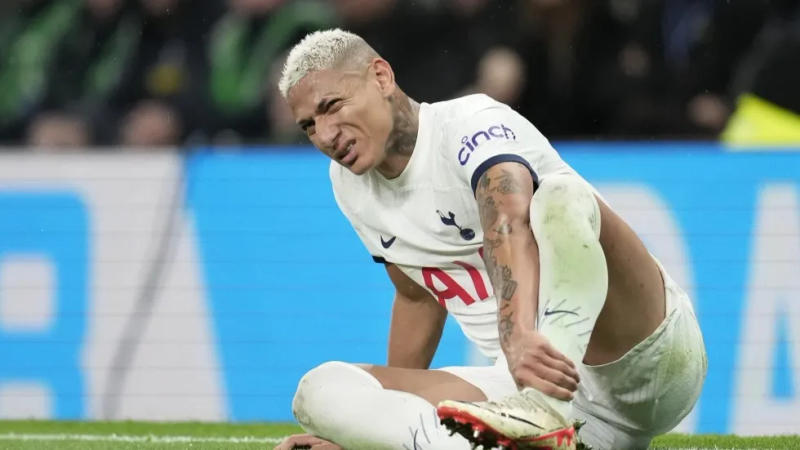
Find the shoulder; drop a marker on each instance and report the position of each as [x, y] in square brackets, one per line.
[478, 132]
[473, 121]
[344, 183]
[457, 109]
[335, 172]
[343, 179]
[465, 116]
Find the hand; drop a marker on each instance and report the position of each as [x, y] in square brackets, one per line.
[533, 362]
[306, 441]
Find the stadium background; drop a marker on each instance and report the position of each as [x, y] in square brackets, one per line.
[170, 249]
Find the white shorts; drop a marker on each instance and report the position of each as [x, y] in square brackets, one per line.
[646, 392]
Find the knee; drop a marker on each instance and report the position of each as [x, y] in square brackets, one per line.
[319, 388]
[565, 201]
[315, 380]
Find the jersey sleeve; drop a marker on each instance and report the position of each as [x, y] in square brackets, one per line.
[338, 187]
[373, 250]
[491, 136]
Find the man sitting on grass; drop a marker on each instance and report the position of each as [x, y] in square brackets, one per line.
[472, 212]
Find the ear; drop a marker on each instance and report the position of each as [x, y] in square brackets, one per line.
[384, 76]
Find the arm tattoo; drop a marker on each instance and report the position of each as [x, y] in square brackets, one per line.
[504, 186]
[485, 181]
[488, 210]
[508, 185]
[509, 284]
[491, 244]
[504, 228]
[491, 194]
[506, 327]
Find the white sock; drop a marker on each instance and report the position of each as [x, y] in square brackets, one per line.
[345, 404]
[573, 276]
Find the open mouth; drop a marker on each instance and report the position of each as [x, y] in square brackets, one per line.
[349, 155]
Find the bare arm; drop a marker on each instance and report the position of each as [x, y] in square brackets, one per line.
[511, 255]
[417, 323]
[504, 196]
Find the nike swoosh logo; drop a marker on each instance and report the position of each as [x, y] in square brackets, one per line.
[548, 312]
[387, 244]
[510, 416]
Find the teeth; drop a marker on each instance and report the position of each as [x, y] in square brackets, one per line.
[347, 151]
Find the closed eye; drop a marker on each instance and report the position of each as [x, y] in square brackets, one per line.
[305, 124]
[334, 103]
[323, 107]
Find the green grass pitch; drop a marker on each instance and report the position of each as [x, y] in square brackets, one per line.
[29, 435]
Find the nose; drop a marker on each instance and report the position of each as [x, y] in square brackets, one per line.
[327, 132]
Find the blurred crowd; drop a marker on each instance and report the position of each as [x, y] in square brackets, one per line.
[151, 73]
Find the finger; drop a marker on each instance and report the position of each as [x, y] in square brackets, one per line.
[286, 444]
[535, 361]
[563, 367]
[547, 388]
[553, 376]
[298, 441]
[552, 352]
[557, 377]
[307, 441]
[302, 443]
[530, 379]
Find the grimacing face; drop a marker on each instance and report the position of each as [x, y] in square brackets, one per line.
[347, 114]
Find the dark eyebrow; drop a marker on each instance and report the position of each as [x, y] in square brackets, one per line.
[324, 104]
[322, 107]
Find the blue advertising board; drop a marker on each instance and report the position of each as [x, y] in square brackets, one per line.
[285, 284]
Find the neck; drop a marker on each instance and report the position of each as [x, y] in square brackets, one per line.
[403, 137]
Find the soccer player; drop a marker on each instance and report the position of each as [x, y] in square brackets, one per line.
[473, 213]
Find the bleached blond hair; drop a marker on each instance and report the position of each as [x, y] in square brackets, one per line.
[323, 50]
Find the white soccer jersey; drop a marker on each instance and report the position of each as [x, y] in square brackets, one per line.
[426, 220]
